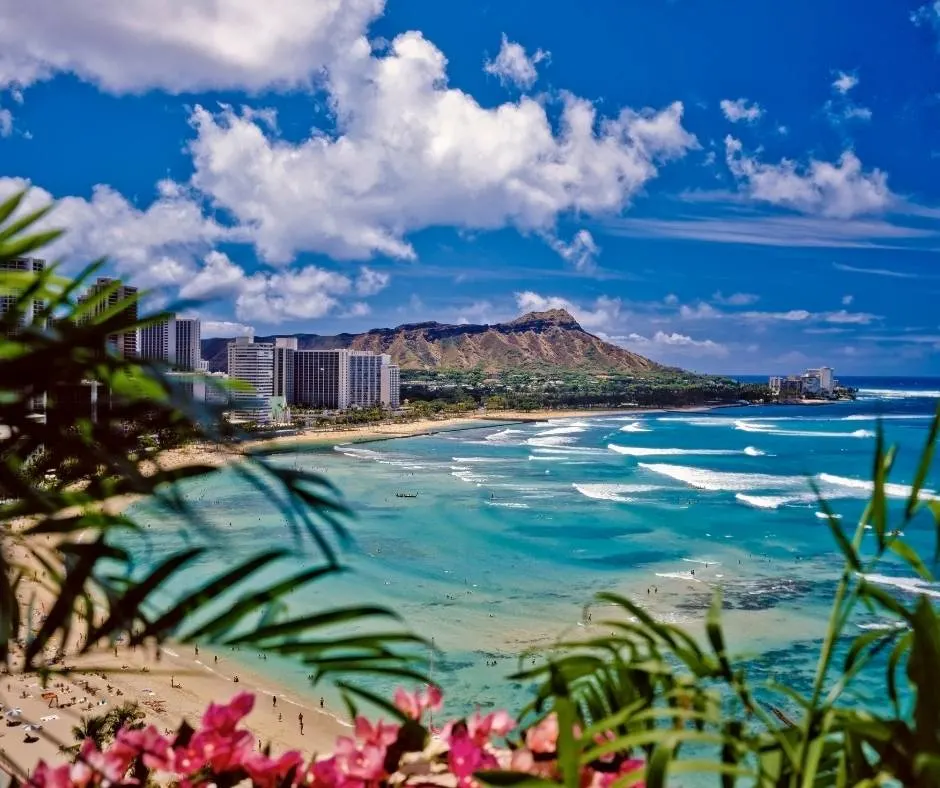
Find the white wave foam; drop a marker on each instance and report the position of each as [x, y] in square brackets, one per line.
[824, 516]
[766, 501]
[885, 625]
[752, 451]
[550, 440]
[771, 429]
[475, 460]
[549, 457]
[702, 421]
[571, 430]
[637, 426]
[643, 451]
[568, 450]
[679, 576]
[568, 423]
[700, 561]
[469, 476]
[886, 416]
[352, 451]
[613, 492]
[719, 481]
[899, 393]
[910, 585]
[504, 436]
[507, 504]
[891, 490]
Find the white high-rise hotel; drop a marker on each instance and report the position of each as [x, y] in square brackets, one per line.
[323, 379]
[175, 341]
[333, 379]
[253, 364]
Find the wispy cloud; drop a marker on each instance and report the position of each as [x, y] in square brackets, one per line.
[790, 231]
[854, 269]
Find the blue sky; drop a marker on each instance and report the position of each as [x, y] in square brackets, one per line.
[728, 186]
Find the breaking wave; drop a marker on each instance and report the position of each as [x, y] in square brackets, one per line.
[898, 393]
[637, 426]
[643, 451]
[891, 490]
[568, 430]
[765, 428]
[550, 440]
[751, 451]
[910, 585]
[614, 492]
[725, 481]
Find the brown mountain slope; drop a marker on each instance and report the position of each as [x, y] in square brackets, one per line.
[552, 338]
[538, 339]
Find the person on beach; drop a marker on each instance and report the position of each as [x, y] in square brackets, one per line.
[321, 703]
[274, 698]
[300, 719]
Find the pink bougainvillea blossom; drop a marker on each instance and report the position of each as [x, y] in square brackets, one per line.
[222, 752]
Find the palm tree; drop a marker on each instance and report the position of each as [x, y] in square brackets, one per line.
[97, 728]
[128, 716]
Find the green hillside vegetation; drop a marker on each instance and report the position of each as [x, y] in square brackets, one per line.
[553, 388]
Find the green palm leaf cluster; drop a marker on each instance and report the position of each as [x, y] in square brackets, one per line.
[56, 472]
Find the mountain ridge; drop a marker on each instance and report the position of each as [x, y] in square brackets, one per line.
[549, 338]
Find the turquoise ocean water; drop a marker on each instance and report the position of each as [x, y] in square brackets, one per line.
[516, 527]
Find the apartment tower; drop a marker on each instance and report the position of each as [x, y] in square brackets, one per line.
[105, 294]
[322, 379]
[253, 364]
[8, 300]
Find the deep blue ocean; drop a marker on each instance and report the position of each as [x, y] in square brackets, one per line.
[515, 527]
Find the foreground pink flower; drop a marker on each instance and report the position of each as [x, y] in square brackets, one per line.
[268, 772]
[543, 736]
[148, 743]
[482, 729]
[465, 758]
[606, 779]
[382, 734]
[414, 704]
[366, 763]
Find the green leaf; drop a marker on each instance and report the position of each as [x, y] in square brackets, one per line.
[923, 467]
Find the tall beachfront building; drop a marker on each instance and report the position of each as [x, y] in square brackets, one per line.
[107, 293]
[322, 378]
[173, 340]
[158, 341]
[8, 300]
[284, 350]
[188, 343]
[391, 385]
[253, 364]
[365, 378]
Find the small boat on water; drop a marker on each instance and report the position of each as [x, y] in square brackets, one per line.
[406, 495]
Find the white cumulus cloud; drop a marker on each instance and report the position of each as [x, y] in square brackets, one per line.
[841, 190]
[513, 66]
[280, 296]
[740, 109]
[369, 282]
[155, 246]
[603, 315]
[180, 45]
[735, 299]
[413, 153]
[844, 82]
[663, 341]
[581, 252]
